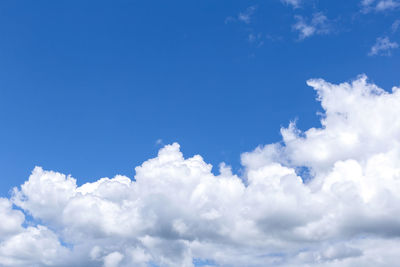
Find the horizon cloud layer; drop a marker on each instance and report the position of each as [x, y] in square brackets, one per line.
[176, 212]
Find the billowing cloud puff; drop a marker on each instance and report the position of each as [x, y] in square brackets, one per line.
[328, 196]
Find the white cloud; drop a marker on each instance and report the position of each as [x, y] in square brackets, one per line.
[395, 25]
[386, 4]
[379, 5]
[34, 246]
[256, 39]
[246, 15]
[229, 20]
[176, 210]
[11, 219]
[383, 47]
[293, 3]
[113, 259]
[159, 142]
[318, 24]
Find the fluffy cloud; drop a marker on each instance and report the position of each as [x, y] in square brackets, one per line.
[11, 219]
[176, 212]
[383, 47]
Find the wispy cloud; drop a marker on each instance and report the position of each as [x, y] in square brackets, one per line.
[318, 24]
[395, 25]
[253, 37]
[379, 6]
[387, 4]
[256, 39]
[293, 3]
[159, 142]
[383, 47]
[246, 15]
[229, 19]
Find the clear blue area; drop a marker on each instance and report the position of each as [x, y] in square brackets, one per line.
[88, 87]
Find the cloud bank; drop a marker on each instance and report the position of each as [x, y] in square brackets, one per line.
[328, 196]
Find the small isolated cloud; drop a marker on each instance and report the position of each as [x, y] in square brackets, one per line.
[383, 47]
[395, 25]
[256, 39]
[229, 19]
[159, 142]
[293, 3]
[379, 5]
[318, 24]
[246, 15]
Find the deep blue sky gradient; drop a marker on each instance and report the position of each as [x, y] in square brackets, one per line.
[88, 87]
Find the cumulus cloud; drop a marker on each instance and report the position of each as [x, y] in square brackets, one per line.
[176, 212]
[318, 24]
[383, 47]
[11, 219]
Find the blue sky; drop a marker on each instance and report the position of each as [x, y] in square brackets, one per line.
[88, 87]
[286, 92]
